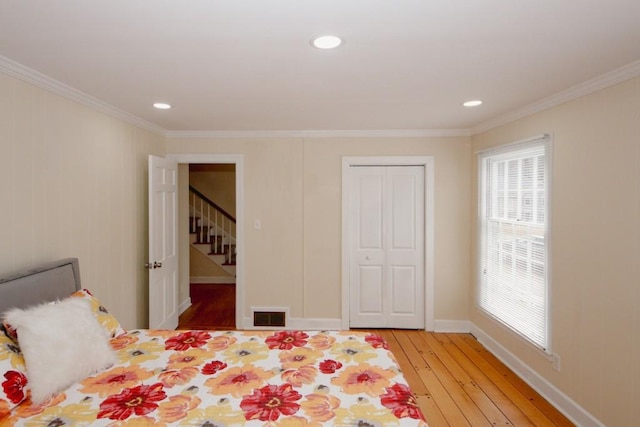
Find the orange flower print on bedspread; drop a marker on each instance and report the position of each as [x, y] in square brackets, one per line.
[140, 400]
[271, 401]
[5, 409]
[298, 357]
[246, 353]
[114, 380]
[176, 377]
[122, 341]
[185, 359]
[321, 341]
[140, 352]
[238, 381]
[299, 377]
[177, 407]
[320, 407]
[364, 378]
[221, 342]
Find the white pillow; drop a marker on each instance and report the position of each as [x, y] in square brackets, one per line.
[62, 343]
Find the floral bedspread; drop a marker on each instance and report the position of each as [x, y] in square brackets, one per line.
[233, 378]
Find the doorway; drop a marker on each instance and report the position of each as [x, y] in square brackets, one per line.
[387, 247]
[203, 163]
[212, 246]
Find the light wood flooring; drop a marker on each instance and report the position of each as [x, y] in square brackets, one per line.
[457, 382]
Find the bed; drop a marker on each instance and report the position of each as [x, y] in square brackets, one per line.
[195, 378]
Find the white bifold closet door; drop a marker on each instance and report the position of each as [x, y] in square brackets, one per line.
[387, 260]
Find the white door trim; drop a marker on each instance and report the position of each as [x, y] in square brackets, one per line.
[428, 163]
[238, 161]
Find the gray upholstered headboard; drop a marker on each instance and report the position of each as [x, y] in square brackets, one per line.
[48, 282]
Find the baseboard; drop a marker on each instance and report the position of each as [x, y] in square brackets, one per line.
[212, 280]
[312, 324]
[557, 398]
[452, 326]
[299, 323]
[317, 324]
[184, 305]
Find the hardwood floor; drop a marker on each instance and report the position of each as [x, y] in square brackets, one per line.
[457, 382]
[213, 306]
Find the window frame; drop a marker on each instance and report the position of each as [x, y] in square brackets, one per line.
[516, 150]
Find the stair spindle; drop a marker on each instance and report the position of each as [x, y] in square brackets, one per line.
[193, 213]
[223, 236]
[201, 227]
[208, 223]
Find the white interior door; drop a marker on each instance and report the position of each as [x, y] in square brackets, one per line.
[387, 263]
[163, 248]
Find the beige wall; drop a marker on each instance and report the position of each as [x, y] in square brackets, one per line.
[218, 184]
[595, 250]
[73, 184]
[201, 266]
[293, 186]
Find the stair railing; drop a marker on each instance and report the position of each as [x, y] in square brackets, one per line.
[211, 222]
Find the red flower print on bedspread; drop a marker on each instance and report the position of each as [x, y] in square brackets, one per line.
[187, 340]
[286, 340]
[401, 402]
[377, 341]
[14, 385]
[213, 367]
[330, 366]
[139, 400]
[269, 402]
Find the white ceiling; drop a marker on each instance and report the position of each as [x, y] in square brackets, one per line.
[247, 65]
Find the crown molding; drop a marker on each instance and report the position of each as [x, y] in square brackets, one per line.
[611, 78]
[406, 133]
[26, 74]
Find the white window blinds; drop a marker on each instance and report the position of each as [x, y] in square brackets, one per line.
[513, 237]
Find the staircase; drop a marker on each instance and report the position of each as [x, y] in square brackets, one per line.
[212, 231]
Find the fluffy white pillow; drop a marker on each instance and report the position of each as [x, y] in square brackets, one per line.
[62, 343]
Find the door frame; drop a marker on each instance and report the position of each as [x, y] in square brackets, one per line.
[428, 163]
[238, 161]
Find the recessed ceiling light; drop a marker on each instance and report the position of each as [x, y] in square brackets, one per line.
[473, 103]
[326, 42]
[162, 106]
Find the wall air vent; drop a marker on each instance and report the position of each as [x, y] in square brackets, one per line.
[269, 318]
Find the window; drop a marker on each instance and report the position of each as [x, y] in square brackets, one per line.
[513, 228]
